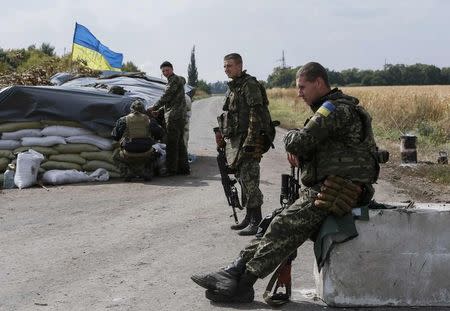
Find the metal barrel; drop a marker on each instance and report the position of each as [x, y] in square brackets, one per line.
[408, 149]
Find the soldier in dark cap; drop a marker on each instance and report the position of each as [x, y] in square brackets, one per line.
[337, 156]
[173, 104]
[135, 156]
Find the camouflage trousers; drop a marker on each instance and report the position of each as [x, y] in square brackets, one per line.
[177, 157]
[288, 230]
[248, 176]
[134, 167]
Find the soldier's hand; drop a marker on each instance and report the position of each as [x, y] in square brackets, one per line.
[220, 142]
[338, 195]
[293, 159]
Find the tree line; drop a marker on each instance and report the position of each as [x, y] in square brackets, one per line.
[398, 74]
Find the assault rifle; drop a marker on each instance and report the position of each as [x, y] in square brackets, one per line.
[228, 184]
[290, 187]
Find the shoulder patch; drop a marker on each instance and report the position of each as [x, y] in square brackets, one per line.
[326, 108]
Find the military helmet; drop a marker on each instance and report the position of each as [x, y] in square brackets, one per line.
[138, 106]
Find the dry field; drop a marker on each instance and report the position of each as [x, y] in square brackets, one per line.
[396, 110]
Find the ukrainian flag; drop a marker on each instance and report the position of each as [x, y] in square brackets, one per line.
[97, 56]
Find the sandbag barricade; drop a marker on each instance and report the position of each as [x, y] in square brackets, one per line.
[65, 145]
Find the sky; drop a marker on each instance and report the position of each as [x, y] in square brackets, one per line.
[339, 34]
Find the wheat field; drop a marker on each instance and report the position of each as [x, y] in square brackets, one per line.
[423, 111]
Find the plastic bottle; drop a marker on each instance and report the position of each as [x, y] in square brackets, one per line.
[8, 180]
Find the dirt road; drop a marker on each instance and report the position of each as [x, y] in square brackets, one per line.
[133, 246]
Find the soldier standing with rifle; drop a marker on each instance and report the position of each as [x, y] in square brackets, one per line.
[245, 132]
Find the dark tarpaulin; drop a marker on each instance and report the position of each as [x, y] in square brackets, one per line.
[84, 99]
[95, 109]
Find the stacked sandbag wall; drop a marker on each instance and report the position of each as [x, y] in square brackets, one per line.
[65, 145]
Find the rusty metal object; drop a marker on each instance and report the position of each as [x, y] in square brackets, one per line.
[408, 149]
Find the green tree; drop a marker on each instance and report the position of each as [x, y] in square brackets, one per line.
[130, 67]
[192, 70]
[202, 85]
[282, 77]
[46, 48]
[218, 87]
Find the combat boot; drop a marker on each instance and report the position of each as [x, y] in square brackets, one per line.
[255, 219]
[244, 291]
[225, 281]
[244, 223]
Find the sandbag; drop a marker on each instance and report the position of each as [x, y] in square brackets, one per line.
[111, 174]
[75, 148]
[46, 123]
[9, 144]
[46, 151]
[106, 156]
[58, 165]
[73, 158]
[45, 141]
[114, 174]
[21, 133]
[27, 168]
[100, 175]
[95, 164]
[100, 142]
[6, 154]
[64, 131]
[61, 177]
[16, 126]
[4, 164]
[161, 160]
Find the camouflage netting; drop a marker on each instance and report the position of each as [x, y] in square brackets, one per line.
[40, 75]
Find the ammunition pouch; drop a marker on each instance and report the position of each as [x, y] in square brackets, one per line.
[228, 124]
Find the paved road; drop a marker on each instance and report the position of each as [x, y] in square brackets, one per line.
[133, 246]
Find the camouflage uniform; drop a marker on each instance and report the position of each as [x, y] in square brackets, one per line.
[245, 120]
[337, 140]
[174, 105]
[130, 164]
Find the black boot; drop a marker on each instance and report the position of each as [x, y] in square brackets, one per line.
[255, 219]
[244, 223]
[224, 281]
[244, 291]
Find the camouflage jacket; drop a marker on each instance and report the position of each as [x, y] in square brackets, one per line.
[246, 110]
[173, 101]
[336, 140]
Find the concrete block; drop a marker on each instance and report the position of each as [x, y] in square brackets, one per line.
[400, 258]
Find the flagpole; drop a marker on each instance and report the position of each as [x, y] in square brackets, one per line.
[71, 53]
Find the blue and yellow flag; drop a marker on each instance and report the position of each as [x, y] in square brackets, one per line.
[97, 56]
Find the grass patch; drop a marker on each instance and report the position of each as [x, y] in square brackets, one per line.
[200, 94]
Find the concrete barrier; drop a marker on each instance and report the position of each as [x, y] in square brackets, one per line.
[400, 258]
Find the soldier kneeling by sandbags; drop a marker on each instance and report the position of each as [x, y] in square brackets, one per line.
[135, 156]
